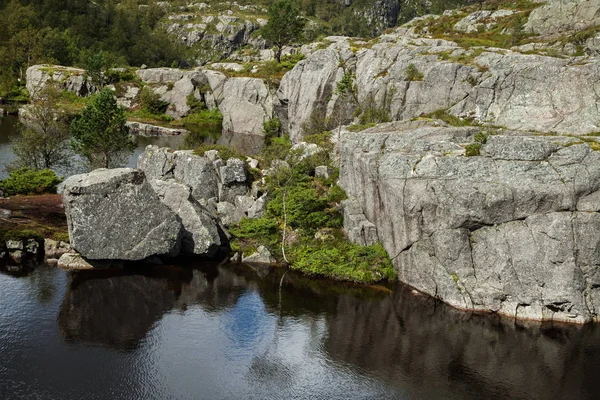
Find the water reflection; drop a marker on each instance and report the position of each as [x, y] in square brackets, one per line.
[418, 346]
[232, 332]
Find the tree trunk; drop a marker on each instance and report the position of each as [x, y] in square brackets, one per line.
[278, 53]
[284, 228]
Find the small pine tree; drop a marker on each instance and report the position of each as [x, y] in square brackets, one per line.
[100, 134]
[284, 27]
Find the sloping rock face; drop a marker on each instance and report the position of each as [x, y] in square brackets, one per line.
[70, 79]
[310, 87]
[115, 214]
[246, 105]
[492, 86]
[513, 231]
[563, 16]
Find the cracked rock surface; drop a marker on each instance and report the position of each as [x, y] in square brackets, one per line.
[116, 215]
[513, 231]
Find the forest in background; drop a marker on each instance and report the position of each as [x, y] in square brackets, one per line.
[68, 32]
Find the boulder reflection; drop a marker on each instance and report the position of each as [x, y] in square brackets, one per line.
[404, 339]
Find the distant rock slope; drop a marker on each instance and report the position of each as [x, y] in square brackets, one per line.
[513, 231]
[492, 86]
[564, 16]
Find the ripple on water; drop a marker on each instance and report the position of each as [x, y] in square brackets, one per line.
[226, 333]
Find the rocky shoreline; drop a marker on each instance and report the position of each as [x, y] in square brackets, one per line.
[476, 167]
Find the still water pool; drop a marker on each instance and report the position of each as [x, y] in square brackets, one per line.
[233, 332]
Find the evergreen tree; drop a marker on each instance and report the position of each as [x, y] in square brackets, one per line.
[284, 27]
[100, 134]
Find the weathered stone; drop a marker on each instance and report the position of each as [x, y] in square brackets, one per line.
[243, 203]
[73, 262]
[201, 234]
[38, 77]
[563, 16]
[228, 213]
[252, 162]
[498, 232]
[323, 171]
[358, 228]
[32, 247]
[55, 249]
[247, 104]
[258, 208]
[115, 214]
[14, 245]
[233, 180]
[261, 256]
[257, 189]
[183, 166]
[306, 88]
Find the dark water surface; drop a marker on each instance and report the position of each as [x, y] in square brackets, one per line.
[230, 332]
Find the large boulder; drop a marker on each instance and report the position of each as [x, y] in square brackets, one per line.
[115, 214]
[201, 233]
[512, 231]
[246, 105]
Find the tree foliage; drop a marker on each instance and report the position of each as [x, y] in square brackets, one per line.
[100, 134]
[284, 27]
[44, 141]
[29, 181]
[71, 32]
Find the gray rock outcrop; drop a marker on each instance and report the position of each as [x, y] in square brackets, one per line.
[261, 256]
[491, 86]
[513, 231]
[563, 16]
[73, 262]
[246, 105]
[201, 234]
[115, 214]
[69, 79]
[184, 167]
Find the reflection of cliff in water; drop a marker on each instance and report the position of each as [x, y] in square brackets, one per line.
[118, 308]
[409, 341]
[408, 338]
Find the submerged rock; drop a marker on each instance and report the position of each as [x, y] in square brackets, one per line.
[115, 214]
[514, 231]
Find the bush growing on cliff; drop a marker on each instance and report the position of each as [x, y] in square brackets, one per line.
[343, 260]
[412, 73]
[29, 181]
[150, 102]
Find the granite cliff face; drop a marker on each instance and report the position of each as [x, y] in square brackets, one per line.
[512, 231]
[491, 86]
